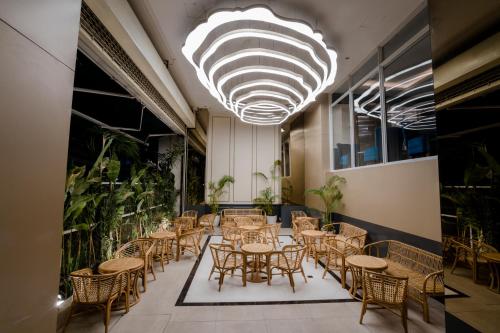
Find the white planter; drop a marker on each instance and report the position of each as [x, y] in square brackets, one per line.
[272, 219]
[217, 220]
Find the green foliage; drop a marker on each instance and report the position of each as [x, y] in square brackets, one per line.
[330, 194]
[216, 190]
[477, 204]
[267, 196]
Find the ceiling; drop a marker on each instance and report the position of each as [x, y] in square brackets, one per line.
[353, 29]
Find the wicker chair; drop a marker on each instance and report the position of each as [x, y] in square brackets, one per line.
[231, 234]
[228, 215]
[226, 259]
[98, 290]
[470, 253]
[287, 261]
[336, 253]
[243, 220]
[184, 223]
[347, 233]
[387, 291]
[299, 214]
[250, 237]
[189, 240]
[140, 248]
[270, 232]
[298, 226]
[207, 222]
[424, 269]
[193, 214]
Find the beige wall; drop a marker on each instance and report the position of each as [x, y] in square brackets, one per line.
[37, 57]
[316, 157]
[403, 196]
[297, 151]
[239, 149]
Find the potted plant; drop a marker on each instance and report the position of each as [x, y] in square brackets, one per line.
[267, 196]
[330, 194]
[216, 190]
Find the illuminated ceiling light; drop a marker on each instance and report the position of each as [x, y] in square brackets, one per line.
[271, 58]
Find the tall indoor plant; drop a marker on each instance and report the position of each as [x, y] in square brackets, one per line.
[330, 194]
[215, 191]
[267, 196]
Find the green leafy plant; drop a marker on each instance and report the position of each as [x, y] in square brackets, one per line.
[267, 196]
[330, 194]
[216, 190]
[477, 202]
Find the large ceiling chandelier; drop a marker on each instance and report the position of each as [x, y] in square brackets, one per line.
[261, 67]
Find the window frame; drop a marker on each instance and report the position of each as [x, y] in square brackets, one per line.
[351, 86]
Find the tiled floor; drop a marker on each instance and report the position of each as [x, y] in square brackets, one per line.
[156, 312]
[481, 310]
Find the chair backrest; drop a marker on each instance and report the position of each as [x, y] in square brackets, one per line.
[297, 213]
[357, 235]
[277, 229]
[249, 237]
[184, 223]
[412, 257]
[302, 224]
[293, 255]
[384, 288]
[190, 213]
[94, 289]
[138, 248]
[241, 211]
[207, 218]
[220, 253]
[243, 220]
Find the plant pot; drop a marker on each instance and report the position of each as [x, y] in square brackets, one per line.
[217, 220]
[272, 219]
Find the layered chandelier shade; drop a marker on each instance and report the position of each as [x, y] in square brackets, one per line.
[261, 67]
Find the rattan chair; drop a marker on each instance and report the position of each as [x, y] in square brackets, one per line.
[336, 253]
[226, 259]
[390, 292]
[249, 237]
[470, 253]
[298, 226]
[231, 234]
[140, 248]
[348, 233]
[207, 222]
[287, 261]
[277, 230]
[243, 220]
[99, 290]
[193, 215]
[189, 240]
[269, 231]
[184, 223]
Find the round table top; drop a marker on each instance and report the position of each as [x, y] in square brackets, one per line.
[121, 264]
[491, 256]
[250, 227]
[313, 233]
[257, 248]
[368, 262]
[162, 234]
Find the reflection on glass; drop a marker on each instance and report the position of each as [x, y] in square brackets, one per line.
[341, 134]
[367, 130]
[409, 100]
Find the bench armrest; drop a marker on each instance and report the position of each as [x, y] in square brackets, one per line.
[433, 278]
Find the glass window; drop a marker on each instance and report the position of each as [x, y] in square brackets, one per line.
[409, 102]
[367, 124]
[341, 129]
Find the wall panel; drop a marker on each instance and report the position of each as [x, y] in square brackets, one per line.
[220, 150]
[242, 162]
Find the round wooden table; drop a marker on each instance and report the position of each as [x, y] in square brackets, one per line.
[357, 263]
[310, 237]
[493, 259]
[132, 265]
[257, 250]
[163, 251]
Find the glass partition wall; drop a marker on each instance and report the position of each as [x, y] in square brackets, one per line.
[386, 113]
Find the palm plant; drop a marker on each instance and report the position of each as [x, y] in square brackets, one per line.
[216, 190]
[330, 194]
[267, 196]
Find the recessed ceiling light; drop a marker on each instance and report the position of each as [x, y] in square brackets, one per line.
[260, 66]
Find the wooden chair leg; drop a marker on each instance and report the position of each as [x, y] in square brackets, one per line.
[107, 316]
[144, 278]
[425, 309]
[457, 253]
[303, 274]
[363, 311]
[221, 280]
[212, 272]
[404, 317]
[292, 283]
[152, 268]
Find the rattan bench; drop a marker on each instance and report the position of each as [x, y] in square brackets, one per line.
[257, 215]
[423, 269]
